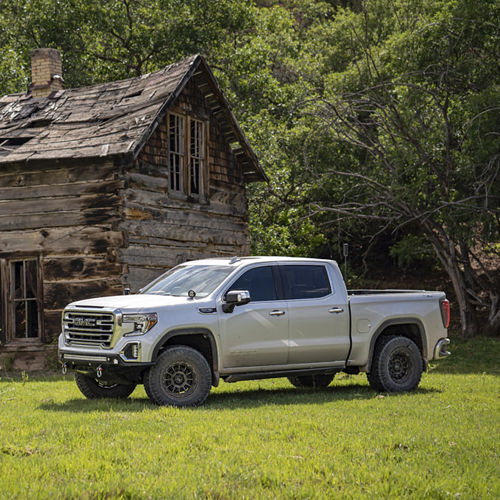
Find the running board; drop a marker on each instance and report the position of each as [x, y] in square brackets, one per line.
[237, 377]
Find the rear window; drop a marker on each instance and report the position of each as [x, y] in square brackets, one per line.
[305, 281]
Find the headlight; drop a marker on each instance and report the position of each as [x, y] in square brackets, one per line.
[138, 324]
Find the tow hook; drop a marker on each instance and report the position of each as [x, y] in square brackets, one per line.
[98, 371]
[64, 368]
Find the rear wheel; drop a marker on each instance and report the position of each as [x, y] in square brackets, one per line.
[180, 377]
[93, 388]
[322, 380]
[397, 365]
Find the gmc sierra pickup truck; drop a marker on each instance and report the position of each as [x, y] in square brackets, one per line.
[250, 318]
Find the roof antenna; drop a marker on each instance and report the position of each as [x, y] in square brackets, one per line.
[234, 260]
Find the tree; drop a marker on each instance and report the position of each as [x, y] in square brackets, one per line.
[421, 110]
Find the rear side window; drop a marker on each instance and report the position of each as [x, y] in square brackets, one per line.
[305, 281]
[259, 282]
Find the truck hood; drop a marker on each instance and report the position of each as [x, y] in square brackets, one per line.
[136, 303]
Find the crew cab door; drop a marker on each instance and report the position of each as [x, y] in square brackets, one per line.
[255, 334]
[318, 315]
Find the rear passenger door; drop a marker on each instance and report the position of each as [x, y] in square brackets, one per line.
[318, 316]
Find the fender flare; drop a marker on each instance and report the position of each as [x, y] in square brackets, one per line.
[191, 331]
[394, 322]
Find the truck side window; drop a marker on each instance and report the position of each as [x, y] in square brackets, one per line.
[305, 282]
[259, 282]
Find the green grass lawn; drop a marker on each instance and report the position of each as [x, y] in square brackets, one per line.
[261, 439]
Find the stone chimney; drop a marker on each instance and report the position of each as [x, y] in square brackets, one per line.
[46, 72]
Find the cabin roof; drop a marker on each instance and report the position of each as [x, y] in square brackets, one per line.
[110, 119]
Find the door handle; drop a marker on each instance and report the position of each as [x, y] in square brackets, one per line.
[276, 312]
[336, 310]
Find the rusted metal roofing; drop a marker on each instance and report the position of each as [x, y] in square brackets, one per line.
[110, 119]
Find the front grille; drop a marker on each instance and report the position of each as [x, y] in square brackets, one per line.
[88, 329]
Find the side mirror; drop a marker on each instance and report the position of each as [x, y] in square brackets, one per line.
[235, 298]
[126, 291]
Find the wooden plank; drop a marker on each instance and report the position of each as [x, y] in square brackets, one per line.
[59, 189]
[149, 200]
[149, 231]
[60, 175]
[161, 257]
[79, 267]
[69, 204]
[57, 219]
[148, 182]
[59, 294]
[61, 240]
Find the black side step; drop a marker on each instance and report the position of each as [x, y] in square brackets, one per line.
[237, 377]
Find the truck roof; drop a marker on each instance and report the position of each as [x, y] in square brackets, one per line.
[239, 261]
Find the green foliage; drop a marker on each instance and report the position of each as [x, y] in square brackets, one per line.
[411, 250]
[400, 92]
[261, 439]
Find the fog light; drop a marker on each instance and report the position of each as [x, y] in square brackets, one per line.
[132, 351]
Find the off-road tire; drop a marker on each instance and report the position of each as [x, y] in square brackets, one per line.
[315, 381]
[181, 376]
[93, 388]
[396, 366]
[147, 389]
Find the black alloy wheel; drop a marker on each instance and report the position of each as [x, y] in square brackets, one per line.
[396, 366]
[180, 377]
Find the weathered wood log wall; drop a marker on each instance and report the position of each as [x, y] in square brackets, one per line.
[165, 229]
[65, 214]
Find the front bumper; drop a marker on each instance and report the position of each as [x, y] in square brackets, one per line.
[440, 350]
[127, 352]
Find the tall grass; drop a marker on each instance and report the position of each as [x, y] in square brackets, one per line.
[261, 439]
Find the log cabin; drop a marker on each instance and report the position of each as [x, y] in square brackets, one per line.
[105, 187]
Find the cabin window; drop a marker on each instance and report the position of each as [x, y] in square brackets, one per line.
[22, 299]
[187, 154]
[176, 151]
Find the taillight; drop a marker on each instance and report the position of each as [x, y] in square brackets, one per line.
[445, 312]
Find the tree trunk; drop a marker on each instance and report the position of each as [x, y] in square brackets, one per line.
[446, 252]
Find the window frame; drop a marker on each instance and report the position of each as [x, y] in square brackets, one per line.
[8, 300]
[186, 157]
[180, 155]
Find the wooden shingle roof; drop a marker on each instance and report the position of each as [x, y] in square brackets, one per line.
[111, 119]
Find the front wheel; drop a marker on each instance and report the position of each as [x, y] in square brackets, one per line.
[318, 381]
[93, 388]
[180, 377]
[396, 366]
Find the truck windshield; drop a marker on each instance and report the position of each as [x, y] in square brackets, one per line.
[179, 280]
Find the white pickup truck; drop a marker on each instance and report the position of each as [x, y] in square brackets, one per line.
[250, 318]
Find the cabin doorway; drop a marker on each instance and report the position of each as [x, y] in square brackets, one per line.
[21, 300]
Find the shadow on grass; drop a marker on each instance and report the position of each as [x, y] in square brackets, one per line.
[248, 398]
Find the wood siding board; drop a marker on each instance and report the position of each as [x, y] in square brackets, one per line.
[79, 268]
[58, 295]
[60, 240]
[58, 219]
[58, 190]
[11, 208]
